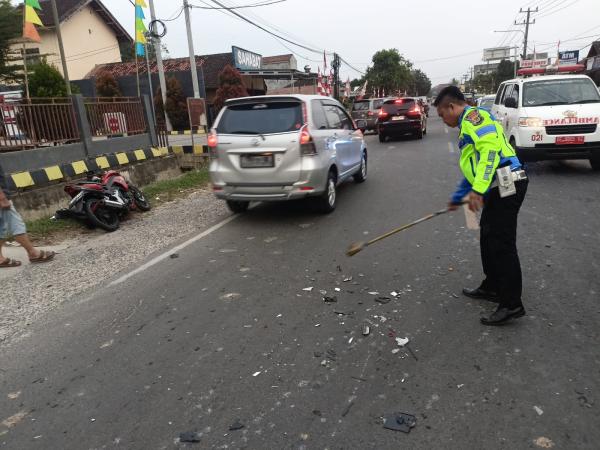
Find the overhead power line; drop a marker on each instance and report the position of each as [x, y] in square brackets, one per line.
[245, 19]
[255, 5]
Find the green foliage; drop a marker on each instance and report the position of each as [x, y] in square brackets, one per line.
[46, 81]
[230, 86]
[390, 71]
[505, 71]
[107, 86]
[11, 23]
[421, 83]
[176, 105]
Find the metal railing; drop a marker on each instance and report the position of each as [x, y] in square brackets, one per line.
[110, 117]
[37, 122]
[162, 135]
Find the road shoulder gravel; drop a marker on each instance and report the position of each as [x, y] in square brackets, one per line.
[86, 261]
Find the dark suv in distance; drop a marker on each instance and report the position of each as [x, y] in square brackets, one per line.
[364, 112]
[401, 116]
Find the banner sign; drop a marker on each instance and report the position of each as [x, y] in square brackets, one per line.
[568, 57]
[533, 63]
[246, 60]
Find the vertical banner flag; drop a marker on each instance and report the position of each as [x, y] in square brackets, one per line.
[140, 28]
[31, 19]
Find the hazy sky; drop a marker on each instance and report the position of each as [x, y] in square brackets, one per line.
[422, 31]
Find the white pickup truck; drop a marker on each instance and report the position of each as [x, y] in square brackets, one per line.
[551, 117]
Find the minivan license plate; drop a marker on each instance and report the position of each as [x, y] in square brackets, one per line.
[398, 118]
[256, 161]
[570, 140]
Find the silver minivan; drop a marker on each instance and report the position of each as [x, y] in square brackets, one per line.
[284, 147]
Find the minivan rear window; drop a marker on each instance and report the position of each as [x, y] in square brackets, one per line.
[360, 106]
[391, 106]
[261, 118]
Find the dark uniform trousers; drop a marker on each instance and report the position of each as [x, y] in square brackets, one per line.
[498, 240]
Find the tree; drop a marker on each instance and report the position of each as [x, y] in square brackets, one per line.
[46, 81]
[230, 86]
[505, 71]
[390, 71]
[421, 83]
[484, 83]
[127, 50]
[107, 86]
[176, 105]
[454, 82]
[11, 23]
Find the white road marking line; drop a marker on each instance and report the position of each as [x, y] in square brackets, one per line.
[470, 218]
[169, 252]
[451, 147]
[446, 130]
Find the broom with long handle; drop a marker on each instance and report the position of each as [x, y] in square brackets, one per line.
[359, 246]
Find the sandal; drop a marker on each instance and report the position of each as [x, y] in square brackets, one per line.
[9, 262]
[44, 257]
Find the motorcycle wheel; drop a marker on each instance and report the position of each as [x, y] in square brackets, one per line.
[139, 199]
[101, 216]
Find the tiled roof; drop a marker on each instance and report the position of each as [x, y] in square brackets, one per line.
[276, 59]
[211, 65]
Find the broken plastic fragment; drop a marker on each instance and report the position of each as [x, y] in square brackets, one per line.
[399, 422]
[366, 330]
[237, 425]
[396, 350]
[337, 290]
[189, 436]
[255, 374]
[394, 294]
[401, 341]
[308, 289]
[538, 410]
[330, 299]
[347, 279]
[373, 293]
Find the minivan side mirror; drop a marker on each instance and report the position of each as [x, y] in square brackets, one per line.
[510, 102]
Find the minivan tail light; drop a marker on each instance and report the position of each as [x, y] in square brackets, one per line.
[382, 114]
[212, 140]
[414, 111]
[307, 144]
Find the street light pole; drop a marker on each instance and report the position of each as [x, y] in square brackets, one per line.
[61, 47]
[161, 68]
[193, 68]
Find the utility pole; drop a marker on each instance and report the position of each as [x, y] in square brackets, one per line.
[61, 47]
[336, 75]
[193, 68]
[526, 22]
[160, 67]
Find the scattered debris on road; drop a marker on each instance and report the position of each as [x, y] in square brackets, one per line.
[383, 300]
[189, 436]
[255, 374]
[348, 408]
[538, 410]
[330, 299]
[402, 341]
[399, 422]
[366, 330]
[308, 289]
[347, 279]
[237, 425]
[174, 255]
[543, 442]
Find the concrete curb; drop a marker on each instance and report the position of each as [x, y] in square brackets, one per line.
[53, 174]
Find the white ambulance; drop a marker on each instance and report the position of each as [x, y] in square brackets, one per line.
[551, 116]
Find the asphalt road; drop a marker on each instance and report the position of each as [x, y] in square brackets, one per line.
[225, 333]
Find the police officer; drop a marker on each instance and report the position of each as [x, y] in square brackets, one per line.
[495, 181]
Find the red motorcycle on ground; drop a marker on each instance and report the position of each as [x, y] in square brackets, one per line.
[102, 201]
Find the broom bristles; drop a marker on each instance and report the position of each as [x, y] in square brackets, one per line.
[355, 248]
